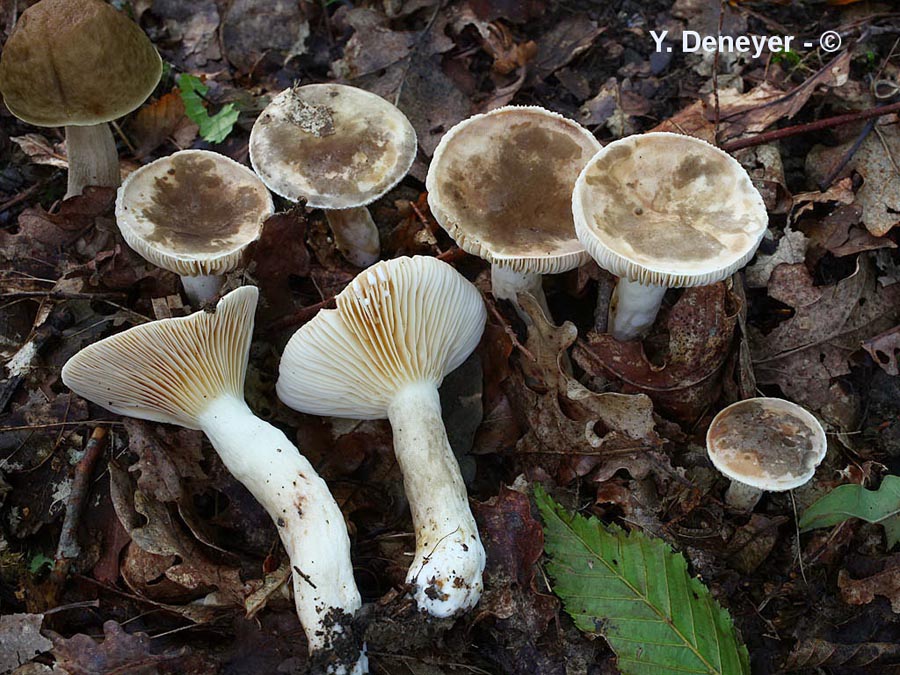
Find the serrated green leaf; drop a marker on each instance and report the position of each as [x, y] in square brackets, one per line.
[881, 506]
[636, 592]
[213, 128]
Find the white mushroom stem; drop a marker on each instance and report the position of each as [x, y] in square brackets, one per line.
[506, 284]
[203, 289]
[449, 561]
[633, 308]
[310, 524]
[355, 235]
[93, 158]
[742, 496]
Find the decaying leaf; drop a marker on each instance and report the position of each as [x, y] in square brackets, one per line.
[160, 120]
[885, 350]
[815, 653]
[255, 30]
[21, 640]
[884, 583]
[791, 249]
[686, 376]
[42, 151]
[807, 353]
[566, 421]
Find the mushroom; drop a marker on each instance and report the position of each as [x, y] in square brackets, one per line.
[398, 329]
[339, 148]
[764, 444]
[663, 210]
[78, 64]
[500, 185]
[190, 371]
[193, 213]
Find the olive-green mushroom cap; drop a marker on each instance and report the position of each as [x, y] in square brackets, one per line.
[76, 63]
[500, 184]
[335, 146]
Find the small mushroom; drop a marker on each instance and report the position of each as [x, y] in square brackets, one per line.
[663, 210]
[338, 148]
[190, 372]
[193, 213]
[78, 64]
[764, 444]
[500, 185]
[398, 329]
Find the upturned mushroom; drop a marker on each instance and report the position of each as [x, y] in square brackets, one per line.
[398, 329]
[190, 372]
[193, 213]
[500, 185]
[660, 211]
[78, 64]
[764, 445]
[339, 148]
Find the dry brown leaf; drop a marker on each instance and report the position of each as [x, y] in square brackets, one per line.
[21, 640]
[863, 591]
[159, 120]
[752, 543]
[805, 354]
[878, 162]
[814, 654]
[255, 30]
[566, 40]
[686, 378]
[42, 151]
[885, 350]
[791, 249]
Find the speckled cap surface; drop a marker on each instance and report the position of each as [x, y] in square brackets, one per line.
[668, 210]
[193, 212]
[500, 185]
[335, 146]
[767, 443]
[76, 63]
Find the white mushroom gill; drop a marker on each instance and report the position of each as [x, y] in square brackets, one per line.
[398, 329]
[190, 371]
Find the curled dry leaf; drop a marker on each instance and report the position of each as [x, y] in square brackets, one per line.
[686, 379]
[42, 151]
[884, 583]
[814, 653]
[21, 639]
[160, 120]
[570, 427]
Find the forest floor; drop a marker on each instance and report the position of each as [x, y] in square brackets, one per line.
[179, 570]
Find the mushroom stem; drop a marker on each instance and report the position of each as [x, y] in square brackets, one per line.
[449, 561]
[507, 283]
[355, 235]
[93, 158]
[633, 308]
[742, 496]
[202, 289]
[310, 524]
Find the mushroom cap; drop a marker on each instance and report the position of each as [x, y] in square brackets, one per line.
[500, 184]
[768, 443]
[169, 370]
[193, 212]
[399, 322]
[668, 210]
[335, 146]
[76, 63]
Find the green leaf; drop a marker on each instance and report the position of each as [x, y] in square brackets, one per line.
[213, 128]
[880, 506]
[39, 562]
[636, 592]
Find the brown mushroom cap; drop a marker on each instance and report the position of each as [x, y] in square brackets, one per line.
[767, 443]
[335, 146]
[501, 183]
[76, 63]
[668, 210]
[193, 212]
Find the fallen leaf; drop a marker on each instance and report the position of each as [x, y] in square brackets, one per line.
[814, 653]
[685, 377]
[257, 30]
[21, 640]
[42, 151]
[877, 160]
[863, 591]
[752, 543]
[807, 353]
[572, 36]
[885, 350]
[512, 538]
[193, 29]
[791, 249]
[161, 120]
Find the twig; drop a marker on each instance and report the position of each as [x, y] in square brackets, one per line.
[848, 155]
[509, 331]
[797, 129]
[68, 548]
[301, 315]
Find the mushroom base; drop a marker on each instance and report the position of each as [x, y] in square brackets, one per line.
[742, 496]
[93, 158]
[203, 289]
[506, 284]
[633, 308]
[355, 235]
[309, 522]
[449, 562]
